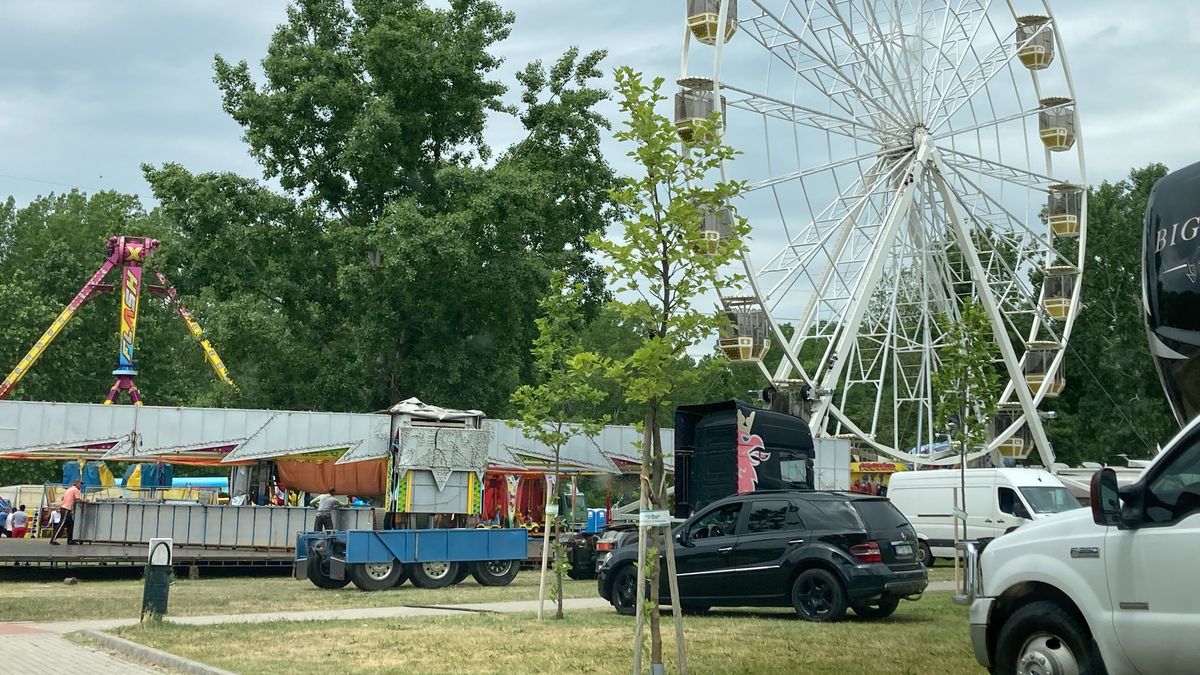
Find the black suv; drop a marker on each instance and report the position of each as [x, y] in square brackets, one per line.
[820, 552]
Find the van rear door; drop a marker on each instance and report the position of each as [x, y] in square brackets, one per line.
[889, 530]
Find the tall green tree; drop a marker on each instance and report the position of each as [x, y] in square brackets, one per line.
[559, 405]
[965, 383]
[364, 102]
[657, 260]
[400, 264]
[1113, 403]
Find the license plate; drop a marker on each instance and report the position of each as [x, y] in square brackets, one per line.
[904, 550]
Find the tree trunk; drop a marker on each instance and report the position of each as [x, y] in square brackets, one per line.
[656, 478]
[644, 503]
[672, 578]
[545, 552]
[558, 612]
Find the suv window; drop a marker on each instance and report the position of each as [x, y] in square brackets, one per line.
[839, 514]
[880, 515]
[1175, 492]
[721, 522]
[774, 514]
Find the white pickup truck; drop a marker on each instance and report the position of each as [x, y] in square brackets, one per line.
[1112, 589]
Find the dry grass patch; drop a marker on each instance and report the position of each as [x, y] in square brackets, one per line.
[45, 600]
[929, 636]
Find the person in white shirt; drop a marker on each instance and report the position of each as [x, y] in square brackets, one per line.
[18, 523]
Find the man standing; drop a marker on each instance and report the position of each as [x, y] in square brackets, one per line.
[67, 508]
[326, 505]
[18, 522]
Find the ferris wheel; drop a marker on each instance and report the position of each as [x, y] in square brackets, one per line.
[902, 157]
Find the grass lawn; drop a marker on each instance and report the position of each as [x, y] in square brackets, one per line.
[48, 598]
[928, 636]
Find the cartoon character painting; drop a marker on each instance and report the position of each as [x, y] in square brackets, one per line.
[750, 453]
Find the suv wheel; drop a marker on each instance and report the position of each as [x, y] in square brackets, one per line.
[926, 554]
[624, 590]
[817, 595]
[1042, 637]
[880, 608]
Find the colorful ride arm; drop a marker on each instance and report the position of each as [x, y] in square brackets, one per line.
[55, 328]
[210, 354]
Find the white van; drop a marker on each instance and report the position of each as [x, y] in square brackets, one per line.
[997, 501]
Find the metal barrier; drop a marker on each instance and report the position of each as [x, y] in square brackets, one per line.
[205, 525]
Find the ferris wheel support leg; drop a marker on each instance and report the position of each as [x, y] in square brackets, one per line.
[848, 334]
[1011, 363]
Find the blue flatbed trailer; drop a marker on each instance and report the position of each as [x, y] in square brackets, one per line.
[376, 560]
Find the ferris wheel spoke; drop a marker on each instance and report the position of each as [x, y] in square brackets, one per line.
[827, 62]
[1041, 239]
[958, 35]
[965, 88]
[966, 162]
[888, 84]
[992, 123]
[831, 287]
[847, 207]
[792, 112]
[805, 173]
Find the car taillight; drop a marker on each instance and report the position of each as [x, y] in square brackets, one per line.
[867, 553]
[604, 546]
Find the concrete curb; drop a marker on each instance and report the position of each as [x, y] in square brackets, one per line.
[153, 656]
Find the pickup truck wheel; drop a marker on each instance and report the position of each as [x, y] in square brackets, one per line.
[376, 576]
[495, 572]
[1044, 638]
[433, 574]
[319, 577]
[817, 595]
[880, 608]
[926, 554]
[624, 590]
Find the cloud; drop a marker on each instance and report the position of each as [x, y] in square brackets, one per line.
[91, 90]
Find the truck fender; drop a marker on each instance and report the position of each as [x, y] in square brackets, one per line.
[1044, 577]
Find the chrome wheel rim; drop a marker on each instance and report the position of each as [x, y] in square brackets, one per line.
[378, 571]
[1047, 654]
[436, 570]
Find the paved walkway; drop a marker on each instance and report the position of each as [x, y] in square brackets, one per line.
[402, 611]
[32, 651]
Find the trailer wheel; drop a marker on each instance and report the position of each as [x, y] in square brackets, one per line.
[495, 572]
[316, 568]
[433, 574]
[463, 571]
[376, 576]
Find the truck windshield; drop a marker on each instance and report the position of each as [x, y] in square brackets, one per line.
[1049, 499]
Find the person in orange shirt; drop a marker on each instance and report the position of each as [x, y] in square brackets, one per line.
[67, 507]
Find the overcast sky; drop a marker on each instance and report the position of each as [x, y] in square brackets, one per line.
[90, 90]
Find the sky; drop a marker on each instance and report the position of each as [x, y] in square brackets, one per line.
[89, 90]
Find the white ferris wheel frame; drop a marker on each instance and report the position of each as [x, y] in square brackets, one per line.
[924, 162]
